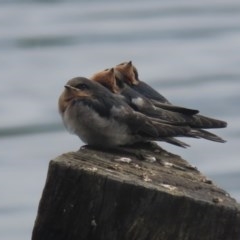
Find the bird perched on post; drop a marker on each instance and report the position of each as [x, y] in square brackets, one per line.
[101, 118]
[130, 75]
[138, 102]
[116, 81]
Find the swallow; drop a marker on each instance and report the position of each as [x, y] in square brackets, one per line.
[131, 77]
[128, 70]
[102, 119]
[130, 73]
[114, 80]
[107, 79]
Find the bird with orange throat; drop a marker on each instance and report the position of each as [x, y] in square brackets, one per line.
[103, 119]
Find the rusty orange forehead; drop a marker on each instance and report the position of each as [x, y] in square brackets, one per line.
[106, 78]
[127, 70]
[103, 76]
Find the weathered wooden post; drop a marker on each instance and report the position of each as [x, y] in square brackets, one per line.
[148, 194]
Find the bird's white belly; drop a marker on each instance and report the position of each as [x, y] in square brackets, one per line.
[96, 130]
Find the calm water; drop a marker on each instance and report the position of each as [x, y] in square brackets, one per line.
[190, 51]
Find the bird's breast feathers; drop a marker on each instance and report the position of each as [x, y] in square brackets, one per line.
[95, 128]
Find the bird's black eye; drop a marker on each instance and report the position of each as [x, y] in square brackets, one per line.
[82, 86]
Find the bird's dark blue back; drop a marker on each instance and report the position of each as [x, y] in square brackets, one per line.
[149, 92]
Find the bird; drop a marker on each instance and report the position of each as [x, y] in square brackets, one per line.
[102, 119]
[107, 79]
[115, 81]
[130, 75]
[127, 69]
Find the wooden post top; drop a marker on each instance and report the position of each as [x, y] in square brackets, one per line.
[137, 193]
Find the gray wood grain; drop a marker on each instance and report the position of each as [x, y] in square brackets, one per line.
[148, 194]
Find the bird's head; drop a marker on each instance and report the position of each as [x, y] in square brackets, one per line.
[107, 79]
[128, 72]
[76, 88]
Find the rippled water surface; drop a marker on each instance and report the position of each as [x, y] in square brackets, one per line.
[188, 50]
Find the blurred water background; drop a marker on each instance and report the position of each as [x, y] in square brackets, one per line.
[188, 50]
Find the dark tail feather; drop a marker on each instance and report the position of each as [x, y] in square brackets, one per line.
[170, 117]
[149, 92]
[180, 119]
[174, 108]
[200, 133]
[175, 142]
[200, 121]
[168, 130]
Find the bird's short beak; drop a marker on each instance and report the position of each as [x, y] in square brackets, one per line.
[75, 92]
[69, 87]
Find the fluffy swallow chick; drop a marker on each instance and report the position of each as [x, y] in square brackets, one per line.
[115, 82]
[127, 69]
[102, 119]
[107, 79]
[130, 76]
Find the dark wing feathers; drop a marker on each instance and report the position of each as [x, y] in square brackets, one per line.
[175, 142]
[207, 135]
[149, 92]
[175, 108]
[200, 121]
